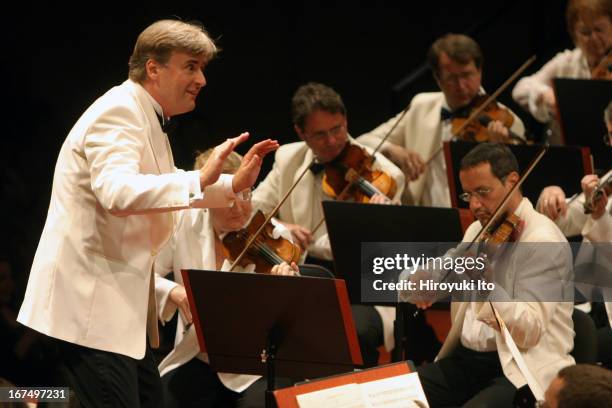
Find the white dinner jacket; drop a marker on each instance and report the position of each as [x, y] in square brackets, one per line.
[542, 330]
[420, 130]
[114, 188]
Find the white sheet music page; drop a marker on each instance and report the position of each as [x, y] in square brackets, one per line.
[395, 392]
[402, 391]
[344, 396]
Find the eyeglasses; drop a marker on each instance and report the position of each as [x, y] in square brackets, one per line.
[587, 32]
[481, 193]
[322, 134]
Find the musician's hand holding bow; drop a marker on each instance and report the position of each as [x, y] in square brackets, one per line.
[548, 100]
[301, 235]
[589, 183]
[552, 202]
[411, 163]
[498, 133]
[423, 299]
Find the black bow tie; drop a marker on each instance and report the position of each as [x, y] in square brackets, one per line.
[167, 125]
[316, 168]
[445, 114]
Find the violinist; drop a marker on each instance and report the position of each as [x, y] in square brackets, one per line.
[475, 366]
[197, 244]
[456, 62]
[590, 215]
[320, 120]
[589, 23]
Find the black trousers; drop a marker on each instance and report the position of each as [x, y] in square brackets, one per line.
[194, 384]
[104, 379]
[467, 378]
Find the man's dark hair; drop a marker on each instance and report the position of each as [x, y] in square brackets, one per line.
[460, 48]
[498, 155]
[585, 386]
[312, 97]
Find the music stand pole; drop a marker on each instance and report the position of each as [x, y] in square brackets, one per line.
[268, 356]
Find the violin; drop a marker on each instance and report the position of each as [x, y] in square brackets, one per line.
[265, 251]
[503, 231]
[351, 174]
[470, 130]
[603, 70]
[604, 187]
[480, 106]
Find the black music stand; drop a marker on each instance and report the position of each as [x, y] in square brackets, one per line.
[580, 109]
[298, 327]
[562, 166]
[350, 224]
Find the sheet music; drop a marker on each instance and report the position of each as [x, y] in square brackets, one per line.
[344, 396]
[537, 391]
[395, 392]
[402, 391]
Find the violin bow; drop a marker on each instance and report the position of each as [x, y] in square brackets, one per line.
[490, 99]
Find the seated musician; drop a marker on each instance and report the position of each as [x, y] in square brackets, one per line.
[475, 366]
[595, 226]
[319, 118]
[456, 61]
[197, 244]
[589, 23]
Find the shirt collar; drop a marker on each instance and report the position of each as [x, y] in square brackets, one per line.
[156, 106]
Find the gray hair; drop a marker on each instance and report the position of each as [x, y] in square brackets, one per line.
[160, 39]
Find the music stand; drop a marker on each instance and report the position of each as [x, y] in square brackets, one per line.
[350, 224]
[298, 327]
[580, 109]
[562, 166]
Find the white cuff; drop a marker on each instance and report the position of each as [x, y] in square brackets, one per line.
[166, 309]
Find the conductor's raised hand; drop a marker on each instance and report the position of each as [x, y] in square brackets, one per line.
[247, 173]
[210, 172]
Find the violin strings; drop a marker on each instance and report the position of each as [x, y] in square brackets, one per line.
[264, 250]
[367, 187]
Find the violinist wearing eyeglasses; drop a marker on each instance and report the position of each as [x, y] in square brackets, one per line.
[320, 121]
[475, 366]
[456, 62]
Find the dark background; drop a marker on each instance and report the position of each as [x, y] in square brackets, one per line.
[57, 61]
